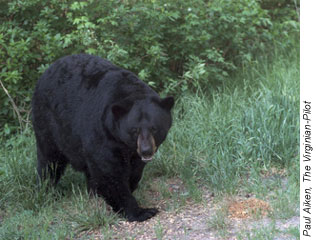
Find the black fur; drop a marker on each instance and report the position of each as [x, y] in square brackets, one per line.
[102, 120]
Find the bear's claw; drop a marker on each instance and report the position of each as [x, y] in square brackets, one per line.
[142, 214]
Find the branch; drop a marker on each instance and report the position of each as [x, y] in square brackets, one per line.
[16, 109]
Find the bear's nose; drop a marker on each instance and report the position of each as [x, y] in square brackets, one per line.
[146, 151]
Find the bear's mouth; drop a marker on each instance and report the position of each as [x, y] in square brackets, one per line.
[147, 158]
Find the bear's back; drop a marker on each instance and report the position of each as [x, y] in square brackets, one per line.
[79, 88]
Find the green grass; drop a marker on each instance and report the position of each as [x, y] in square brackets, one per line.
[294, 231]
[220, 222]
[262, 233]
[227, 138]
[246, 127]
[269, 232]
[159, 231]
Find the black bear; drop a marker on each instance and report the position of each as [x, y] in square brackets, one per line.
[104, 121]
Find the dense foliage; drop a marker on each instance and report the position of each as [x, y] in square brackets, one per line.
[172, 45]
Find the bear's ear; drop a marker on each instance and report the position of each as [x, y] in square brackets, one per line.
[167, 103]
[119, 111]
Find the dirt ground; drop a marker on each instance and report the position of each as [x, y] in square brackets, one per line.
[196, 221]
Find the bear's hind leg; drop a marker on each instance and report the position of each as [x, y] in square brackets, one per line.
[50, 164]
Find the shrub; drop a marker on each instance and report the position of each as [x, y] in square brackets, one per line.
[174, 46]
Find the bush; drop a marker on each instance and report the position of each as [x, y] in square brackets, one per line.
[172, 45]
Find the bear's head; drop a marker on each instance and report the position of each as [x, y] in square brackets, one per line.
[142, 124]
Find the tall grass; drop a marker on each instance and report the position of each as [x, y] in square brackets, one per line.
[250, 124]
[221, 138]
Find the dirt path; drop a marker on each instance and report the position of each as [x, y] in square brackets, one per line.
[194, 222]
[238, 218]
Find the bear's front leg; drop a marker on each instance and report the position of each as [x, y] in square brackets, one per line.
[116, 192]
[137, 167]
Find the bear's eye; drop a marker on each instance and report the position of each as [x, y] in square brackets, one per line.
[134, 131]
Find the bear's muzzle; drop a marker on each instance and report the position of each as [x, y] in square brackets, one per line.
[146, 146]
